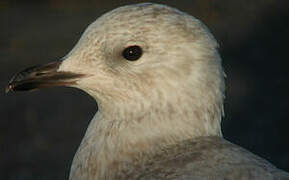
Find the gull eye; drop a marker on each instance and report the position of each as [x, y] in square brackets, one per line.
[132, 53]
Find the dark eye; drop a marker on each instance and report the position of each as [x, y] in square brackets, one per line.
[132, 53]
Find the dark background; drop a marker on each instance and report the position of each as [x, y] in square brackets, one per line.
[40, 131]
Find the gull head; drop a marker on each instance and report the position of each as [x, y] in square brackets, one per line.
[147, 66]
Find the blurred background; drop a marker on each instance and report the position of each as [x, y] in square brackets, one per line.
[40, 131]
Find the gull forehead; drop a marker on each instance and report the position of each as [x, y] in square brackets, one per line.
[145, 22]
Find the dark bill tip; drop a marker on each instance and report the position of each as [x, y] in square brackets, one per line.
[40, 77]
[28, 86]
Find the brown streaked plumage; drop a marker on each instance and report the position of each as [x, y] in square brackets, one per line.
[159, 116]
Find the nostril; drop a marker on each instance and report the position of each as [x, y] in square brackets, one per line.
[40, 73]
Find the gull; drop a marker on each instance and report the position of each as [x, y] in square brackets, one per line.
[156, 75]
